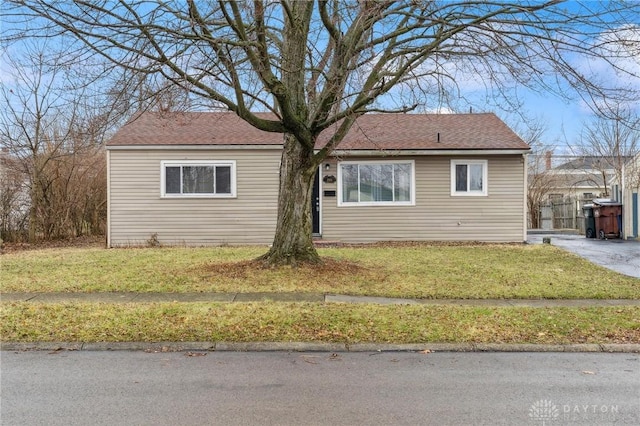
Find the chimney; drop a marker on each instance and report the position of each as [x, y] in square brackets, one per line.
[547, 160]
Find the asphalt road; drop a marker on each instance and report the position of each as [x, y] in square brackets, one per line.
[227, 388]
[622, 256]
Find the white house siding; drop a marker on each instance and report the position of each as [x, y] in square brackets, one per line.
[137, 211]
[437, 215]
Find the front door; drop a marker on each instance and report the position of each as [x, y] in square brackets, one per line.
[315, 204]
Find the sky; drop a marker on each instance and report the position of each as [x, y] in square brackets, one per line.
[563, 120]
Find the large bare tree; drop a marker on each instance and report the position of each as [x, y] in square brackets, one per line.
[53, 162]
[29, 127]
[613, 139]
[318, 65]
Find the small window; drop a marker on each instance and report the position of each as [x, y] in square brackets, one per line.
[469, 177]
[198, 179]
[376, 183]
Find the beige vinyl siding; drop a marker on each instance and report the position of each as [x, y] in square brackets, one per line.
[137, 210]
[436, 215]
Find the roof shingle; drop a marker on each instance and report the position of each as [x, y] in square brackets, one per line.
[483, 131]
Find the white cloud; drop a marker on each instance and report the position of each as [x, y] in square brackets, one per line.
[615, 62]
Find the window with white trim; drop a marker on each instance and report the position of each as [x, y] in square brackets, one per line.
[206, 179]
[469, 177]
[376, 183]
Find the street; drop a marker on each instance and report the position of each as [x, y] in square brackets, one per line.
[385, 388]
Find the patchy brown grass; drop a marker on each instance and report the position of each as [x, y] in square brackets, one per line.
[328, 267]
[332, 275]
[409, 270]
[79, 242]
[311, 322]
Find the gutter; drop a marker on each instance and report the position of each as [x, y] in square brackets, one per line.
[335, 153]
[108, 199]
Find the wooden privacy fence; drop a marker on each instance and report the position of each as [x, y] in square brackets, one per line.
[564, 213]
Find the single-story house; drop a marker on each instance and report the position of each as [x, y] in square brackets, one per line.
[209, 178]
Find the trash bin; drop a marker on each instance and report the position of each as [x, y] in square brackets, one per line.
[589, 221]
[607, 215]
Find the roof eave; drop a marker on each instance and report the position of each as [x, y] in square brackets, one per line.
[426, 152]
[194, 147]
[336, 153]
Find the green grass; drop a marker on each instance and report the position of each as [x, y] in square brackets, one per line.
[413, 271]
[309, 322]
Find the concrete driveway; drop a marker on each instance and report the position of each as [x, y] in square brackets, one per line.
[622, 256]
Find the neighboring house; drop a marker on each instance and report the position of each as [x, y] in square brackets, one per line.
[15, 199]
[211, 179]
[630, 188]
[559, 187]
[582, 177]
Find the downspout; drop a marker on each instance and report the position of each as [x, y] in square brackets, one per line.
[623, 193]
[108, 198]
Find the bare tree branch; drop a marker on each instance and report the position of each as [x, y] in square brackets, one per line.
[317, 66]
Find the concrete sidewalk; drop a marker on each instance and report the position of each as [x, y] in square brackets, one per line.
[130, 297]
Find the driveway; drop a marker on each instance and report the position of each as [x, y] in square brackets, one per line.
[622, 256]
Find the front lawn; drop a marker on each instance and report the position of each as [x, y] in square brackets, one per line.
[410, 271]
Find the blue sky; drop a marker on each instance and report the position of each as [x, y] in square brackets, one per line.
[563, 119]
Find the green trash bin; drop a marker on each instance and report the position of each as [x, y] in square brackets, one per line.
[589, 221]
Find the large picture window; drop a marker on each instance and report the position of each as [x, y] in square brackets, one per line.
[376, 183]
[198, 179]
[469, 177]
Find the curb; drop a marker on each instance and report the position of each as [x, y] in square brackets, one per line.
[314, 347]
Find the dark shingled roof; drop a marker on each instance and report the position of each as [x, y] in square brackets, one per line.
[370, 132]
[592, 162]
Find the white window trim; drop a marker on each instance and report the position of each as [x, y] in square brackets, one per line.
[378, 203]
[175, 163]
[469, 193]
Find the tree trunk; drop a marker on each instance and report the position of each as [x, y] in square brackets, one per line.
[293, 241]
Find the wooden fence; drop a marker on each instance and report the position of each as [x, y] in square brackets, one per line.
[565, 213]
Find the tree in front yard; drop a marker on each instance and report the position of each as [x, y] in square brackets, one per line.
[318, 66]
